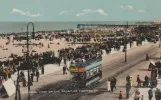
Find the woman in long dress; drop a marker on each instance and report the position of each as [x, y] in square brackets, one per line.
[108, 85]
[131, 81]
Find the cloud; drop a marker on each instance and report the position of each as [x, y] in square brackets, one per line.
[128, 7]
[131, 8]
[102, 12]
[63, 12]
[14, 10]
[86, 11]
[121, 6]
[141, 11]
[80, 14]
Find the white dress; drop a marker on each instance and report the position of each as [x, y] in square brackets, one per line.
[108, 86]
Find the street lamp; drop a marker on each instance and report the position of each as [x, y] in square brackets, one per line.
[125, 43]
[125, 47]
[26, 65]
[27, 56]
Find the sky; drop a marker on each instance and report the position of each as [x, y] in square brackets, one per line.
[80, 10]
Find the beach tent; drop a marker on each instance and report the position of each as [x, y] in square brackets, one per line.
[152, 62]
[9, 87]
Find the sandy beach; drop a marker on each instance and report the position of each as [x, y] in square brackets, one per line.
[15, 49]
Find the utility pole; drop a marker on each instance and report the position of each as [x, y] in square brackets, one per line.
[159, 36]
[27, 59]
[125, 43]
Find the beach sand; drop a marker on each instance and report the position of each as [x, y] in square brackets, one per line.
[18, 49]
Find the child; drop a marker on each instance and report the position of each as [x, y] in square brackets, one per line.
[120, 95]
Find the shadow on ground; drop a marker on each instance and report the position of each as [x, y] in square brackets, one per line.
[143, 70]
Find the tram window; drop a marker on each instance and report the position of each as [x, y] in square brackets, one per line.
[98, 69]
[95, 70]
[91, 72]
[87, 74]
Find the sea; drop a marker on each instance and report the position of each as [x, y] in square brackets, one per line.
[17, 27]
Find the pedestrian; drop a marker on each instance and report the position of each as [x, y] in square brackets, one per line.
[112, 84]
[157, 96]
[131, 81]
[147, 57]
[120, 95]
[159, 73]
[137, 95]
[0, 86]
[59, 61]
[24, 82]
[9, 75]
[42, 70]
[115, 81]
[64, 70]
[128, 79]
[139, 81]
[142, 97]
[32, 77]
[30, 83]
[150, 93]
[37, 75]
[128, 87]
[108, 85]
[146, 82]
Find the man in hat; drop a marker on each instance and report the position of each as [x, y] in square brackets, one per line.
[128, 79]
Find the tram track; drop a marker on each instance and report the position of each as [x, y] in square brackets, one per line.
[111, 70]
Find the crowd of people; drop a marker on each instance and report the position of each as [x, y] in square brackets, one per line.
[149, 82]
[86, 53]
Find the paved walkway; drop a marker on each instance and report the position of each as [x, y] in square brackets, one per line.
[49, 78]
[48, 69]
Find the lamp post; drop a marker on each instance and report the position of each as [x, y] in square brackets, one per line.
[125, 47]
[27, 57]
[125, 43]
[159, 37]
[27, 67]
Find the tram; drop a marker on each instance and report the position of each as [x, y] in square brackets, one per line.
[87, 73]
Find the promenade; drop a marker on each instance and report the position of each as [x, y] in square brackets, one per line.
[140, 69]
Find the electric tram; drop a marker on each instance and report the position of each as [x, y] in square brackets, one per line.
[87, 73]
